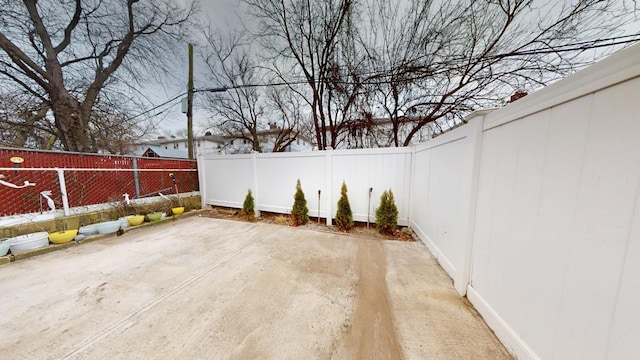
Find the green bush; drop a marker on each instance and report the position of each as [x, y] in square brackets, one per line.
[299, 211]
[247, 206]
[344, 216]
[387, 214]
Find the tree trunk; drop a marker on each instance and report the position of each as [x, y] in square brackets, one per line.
[73, 132]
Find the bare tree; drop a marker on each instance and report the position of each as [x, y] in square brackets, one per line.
[114, 129]
[66, 53]
[300, 38]
[438, 61]
[286, 107]
[346, 93]
[418, 67]
[24, 121]
[239, 108]
[247, 110]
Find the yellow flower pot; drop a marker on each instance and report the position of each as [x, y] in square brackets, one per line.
[135, 220]
[62, 237]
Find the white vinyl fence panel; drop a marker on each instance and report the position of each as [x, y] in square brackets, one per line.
[225, 180]
[557, 227]
[377, 169]
[272, 178]
[441, 201]
[277, 177]
[532, 209]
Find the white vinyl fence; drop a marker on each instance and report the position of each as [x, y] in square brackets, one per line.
[556, 244]
[272, 179]
[532, 209]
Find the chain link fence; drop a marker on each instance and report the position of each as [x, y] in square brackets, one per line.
[36, 179]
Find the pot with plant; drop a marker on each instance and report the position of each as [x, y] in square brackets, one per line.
[121, 211]
[130, 214]
[172, 205]
[177, 208]
[63, 236]
[176, 205]
[156, 211]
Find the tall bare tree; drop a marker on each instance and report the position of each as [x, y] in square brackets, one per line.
[439, 60]
[24, 121]
[246, 111]
[230, 64]
[113, 128]
[288, 118]
[66, 53]
[304, 33]
[421, 65]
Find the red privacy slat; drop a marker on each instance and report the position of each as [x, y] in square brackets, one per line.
[87, 187]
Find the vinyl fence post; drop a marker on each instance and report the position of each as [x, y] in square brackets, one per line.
[63, 191]
[202, 182]
[256, 193]
[328, 180]
[136, 178]
[411, 182]
[470, 196]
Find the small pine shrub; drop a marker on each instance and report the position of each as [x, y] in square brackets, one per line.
[300, 212]
[344, 216]
[247, 206]
[387, 214]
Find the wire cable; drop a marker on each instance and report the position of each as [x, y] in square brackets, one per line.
[577, 46]
[380, 74]
[157, 107]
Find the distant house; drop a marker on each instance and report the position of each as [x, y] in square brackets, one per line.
[216, 144]
[206, 143]
[157, 151]
[375, 132]
[238, 144]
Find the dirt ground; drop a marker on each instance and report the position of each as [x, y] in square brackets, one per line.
[203, 288]
[359, 229]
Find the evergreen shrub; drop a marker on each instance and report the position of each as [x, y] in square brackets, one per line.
[387, 214]
[344, 216]
[299, 212]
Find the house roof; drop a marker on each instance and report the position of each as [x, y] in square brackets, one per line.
[167, 153]
[164, 140]
[267, 132]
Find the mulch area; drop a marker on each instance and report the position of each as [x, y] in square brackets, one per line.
[359, 229]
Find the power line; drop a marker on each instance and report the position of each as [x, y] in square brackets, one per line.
[243, 86]
[157, 107]
[577, 46]
[128, 119]
[571, 47]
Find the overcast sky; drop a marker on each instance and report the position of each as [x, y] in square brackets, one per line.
[221, 14]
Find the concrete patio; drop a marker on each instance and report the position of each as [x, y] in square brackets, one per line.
[217, 289]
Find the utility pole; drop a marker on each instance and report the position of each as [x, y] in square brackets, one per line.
[190, 104]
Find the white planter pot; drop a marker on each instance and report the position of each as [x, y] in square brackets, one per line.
[28, 241]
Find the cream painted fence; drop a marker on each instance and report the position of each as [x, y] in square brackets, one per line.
[532, 209]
